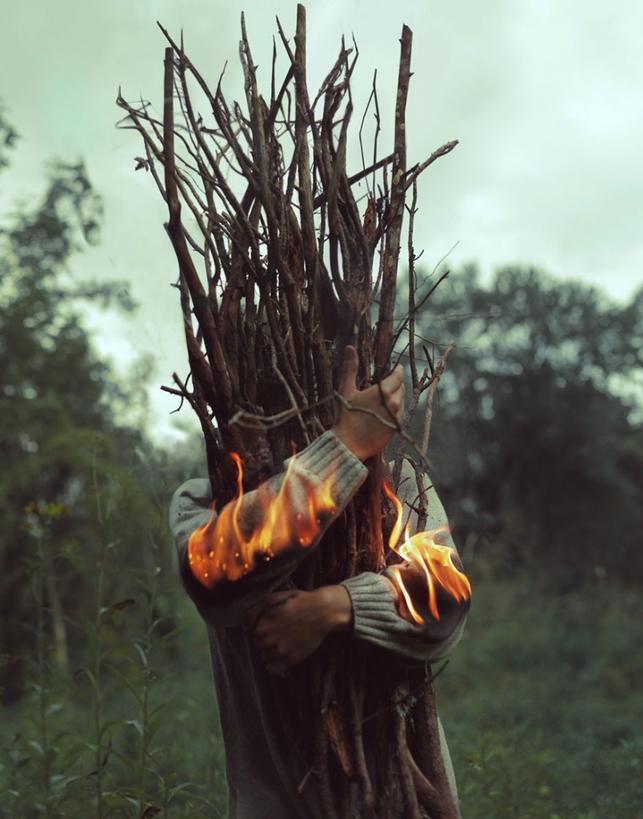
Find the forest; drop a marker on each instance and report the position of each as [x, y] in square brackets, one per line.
[537, 449]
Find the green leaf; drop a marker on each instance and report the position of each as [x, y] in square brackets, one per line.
[135, 724]
[141, 653]
[37, 747]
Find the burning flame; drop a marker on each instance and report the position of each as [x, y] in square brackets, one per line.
[220, 549]
[435, 560]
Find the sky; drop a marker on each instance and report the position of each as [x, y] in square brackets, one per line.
[544, 97]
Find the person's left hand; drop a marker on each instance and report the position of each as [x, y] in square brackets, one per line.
[450, 610]
[292, 624]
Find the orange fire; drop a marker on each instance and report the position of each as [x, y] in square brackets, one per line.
[220, 550]
[433, 558]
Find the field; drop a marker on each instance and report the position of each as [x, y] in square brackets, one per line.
[540, 702]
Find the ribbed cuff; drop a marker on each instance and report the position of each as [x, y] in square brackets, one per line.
[328, 457]
[374, 605]
[376, 619]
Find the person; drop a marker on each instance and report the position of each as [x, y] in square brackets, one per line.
[256, 630]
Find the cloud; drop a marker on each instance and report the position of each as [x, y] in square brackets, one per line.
[543, 96]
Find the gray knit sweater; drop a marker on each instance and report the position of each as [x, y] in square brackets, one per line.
[262, 777]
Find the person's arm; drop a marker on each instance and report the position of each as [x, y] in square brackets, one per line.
[326, 462]
[294, 624]
[379, 613]
[376, 618]
[231, 572]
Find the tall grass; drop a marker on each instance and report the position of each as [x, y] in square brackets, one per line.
[541, 703]
[130, 729]
[543, 706]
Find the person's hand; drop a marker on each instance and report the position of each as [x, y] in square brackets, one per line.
[450, 610]
[291, 625]
[362, 432]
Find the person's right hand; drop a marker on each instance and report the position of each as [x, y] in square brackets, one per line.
[362, 432]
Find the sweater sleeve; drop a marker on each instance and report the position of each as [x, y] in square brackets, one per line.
[326, 462]
[374, 600]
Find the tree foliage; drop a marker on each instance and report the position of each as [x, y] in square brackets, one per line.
[61, 442]
[538, 453]
[8, 138]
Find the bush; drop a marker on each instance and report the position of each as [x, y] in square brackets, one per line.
[542, 707]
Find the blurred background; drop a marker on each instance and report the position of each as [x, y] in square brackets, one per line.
[537, 445]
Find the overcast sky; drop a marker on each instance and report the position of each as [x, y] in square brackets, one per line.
[545, 97]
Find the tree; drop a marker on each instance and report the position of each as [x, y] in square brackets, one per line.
[71, 479]
[8, 138]
[540, 454]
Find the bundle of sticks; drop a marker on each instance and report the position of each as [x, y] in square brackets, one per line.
[284, 258]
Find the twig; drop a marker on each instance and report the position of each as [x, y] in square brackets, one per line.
[440, 367]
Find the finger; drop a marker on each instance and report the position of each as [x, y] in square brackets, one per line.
[252, 615]
[259, 640]
[398, 398]
[392, 399]
[267, 647]
[255, 614]
[279, 597]
[273, 601]
[274, 656]
[394, 379]
[260, 632]
[348, 379]
[399, 391]
[268, 621]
